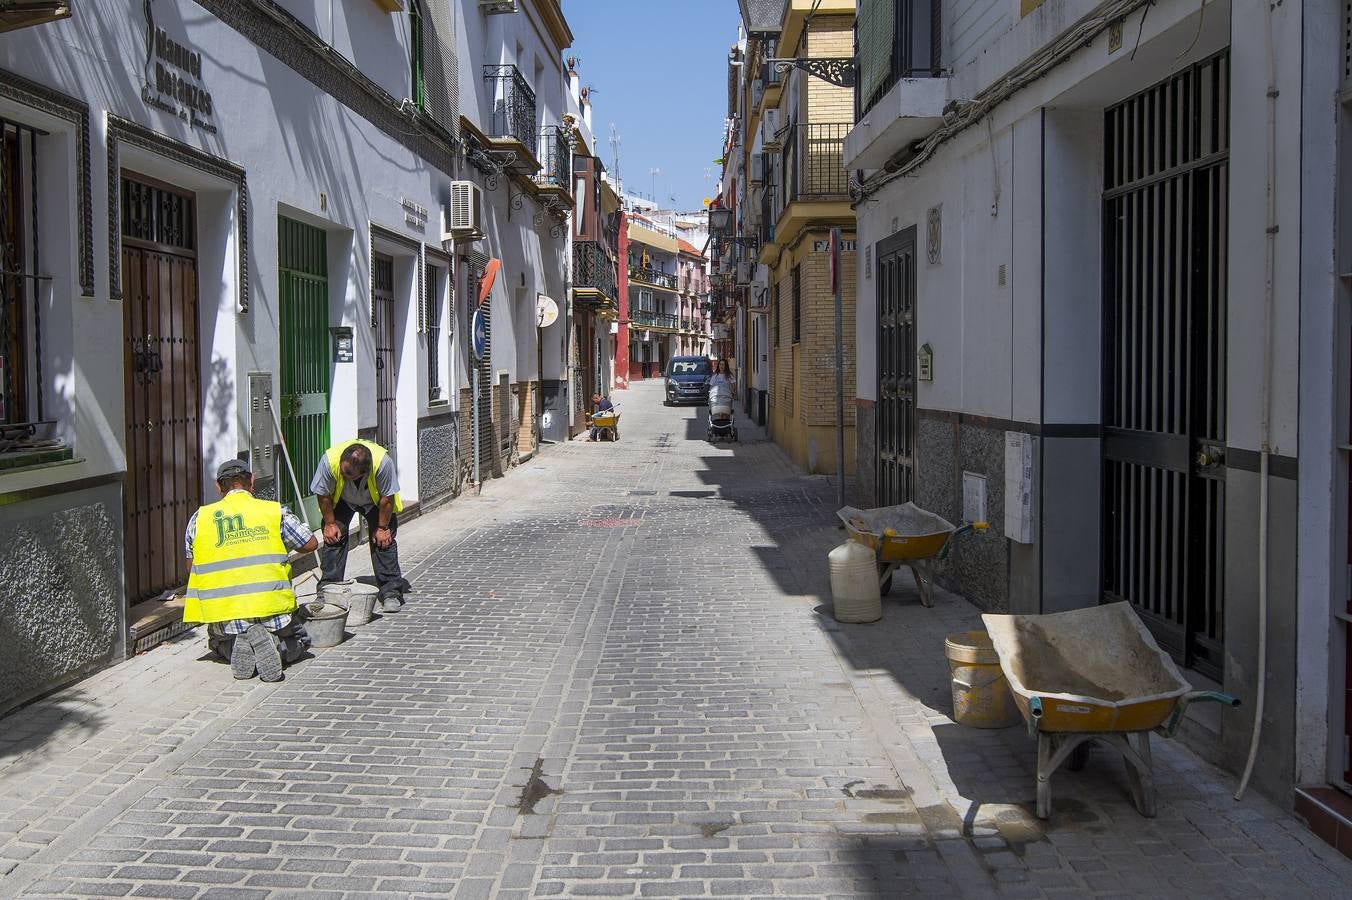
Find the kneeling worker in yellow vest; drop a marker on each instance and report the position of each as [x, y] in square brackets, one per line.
[240, 581]
[359, 477]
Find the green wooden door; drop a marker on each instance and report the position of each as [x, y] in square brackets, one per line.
[303, 393]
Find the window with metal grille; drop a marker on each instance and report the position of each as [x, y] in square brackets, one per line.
[433, 287]
[20, 312]
[797, 303]
[778, 320]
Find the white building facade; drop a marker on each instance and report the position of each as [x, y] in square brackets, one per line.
[214, 211]
[1098, 307]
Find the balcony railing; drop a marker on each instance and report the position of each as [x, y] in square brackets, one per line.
[653, 277]
[893, 43]
[650, 319]
[592, 268]
[513, 104]
[555, 153]
[814, 162]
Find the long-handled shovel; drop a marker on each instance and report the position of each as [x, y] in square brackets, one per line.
[291, 470]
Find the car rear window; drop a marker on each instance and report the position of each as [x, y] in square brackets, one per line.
[690, 365]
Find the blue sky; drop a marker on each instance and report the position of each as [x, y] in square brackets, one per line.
[659, 70]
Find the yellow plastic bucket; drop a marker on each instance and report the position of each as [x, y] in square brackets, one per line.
[981, 695]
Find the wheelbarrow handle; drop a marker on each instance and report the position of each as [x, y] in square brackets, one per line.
[961, 529]
[1175, 720]
[1034, 716]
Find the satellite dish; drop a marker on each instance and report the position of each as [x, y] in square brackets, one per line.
[546, 311]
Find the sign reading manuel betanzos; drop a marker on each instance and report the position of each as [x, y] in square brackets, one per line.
[174, 77]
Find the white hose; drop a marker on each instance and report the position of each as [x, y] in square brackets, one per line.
[1265, 422]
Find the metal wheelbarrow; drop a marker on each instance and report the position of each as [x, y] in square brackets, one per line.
[1093, 674]
[904, 535]
[607, 425]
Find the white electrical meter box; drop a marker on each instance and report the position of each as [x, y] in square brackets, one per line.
[973, 497]
[1020, 452]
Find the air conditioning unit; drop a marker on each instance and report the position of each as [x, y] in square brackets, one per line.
[725, 265]
[466, 215]
[770, 125]
[744, 273]
[757, 92]
[497, 7]
[758, 168]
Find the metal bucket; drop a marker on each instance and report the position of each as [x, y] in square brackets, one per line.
[981, 696]
[326, 623]
[357, 598]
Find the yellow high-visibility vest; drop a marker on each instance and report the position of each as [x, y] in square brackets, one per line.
[378, 454]
[239, 563]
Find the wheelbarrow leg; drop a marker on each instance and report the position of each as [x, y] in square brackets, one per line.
[1140, 773]
[1044, 775]
[923, 580]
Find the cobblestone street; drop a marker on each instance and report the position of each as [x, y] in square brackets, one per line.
[617, 675]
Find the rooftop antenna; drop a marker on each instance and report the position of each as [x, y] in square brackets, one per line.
[615, 149]
[654, 172]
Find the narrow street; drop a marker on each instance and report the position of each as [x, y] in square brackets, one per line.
[618, 675]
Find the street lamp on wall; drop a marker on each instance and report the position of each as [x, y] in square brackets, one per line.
[720, 219]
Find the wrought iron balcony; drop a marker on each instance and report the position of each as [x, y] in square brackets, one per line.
[593, 269]
[556, 155]
[513, 105]
[649, 319]
[814, 162]
[653, 277]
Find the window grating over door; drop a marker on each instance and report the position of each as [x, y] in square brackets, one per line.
[1165, 222]
[303, 392]
[896, 369]
[382, 301]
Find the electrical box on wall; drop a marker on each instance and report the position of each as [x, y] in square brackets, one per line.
[262, 437]
[973, 497]
[1020, 452]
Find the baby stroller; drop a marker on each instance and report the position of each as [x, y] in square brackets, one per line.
[720, 414]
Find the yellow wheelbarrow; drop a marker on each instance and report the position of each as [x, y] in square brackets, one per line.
[1096, 675]
[607, 425]
[904, 535]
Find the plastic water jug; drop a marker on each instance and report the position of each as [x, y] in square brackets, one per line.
[854, 583]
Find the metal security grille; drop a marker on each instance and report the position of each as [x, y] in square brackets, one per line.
[433, 334]
[1165, 218]
[896, 369]
[19, 276]
[303, 392]
[162, 389]
[797, 303]
[382, 301]
[475, 265]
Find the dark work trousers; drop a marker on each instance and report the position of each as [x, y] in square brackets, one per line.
[385, 563]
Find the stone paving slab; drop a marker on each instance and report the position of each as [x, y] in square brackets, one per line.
[618, 676]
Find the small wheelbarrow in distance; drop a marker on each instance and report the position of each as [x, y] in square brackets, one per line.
[905, 535]
[1097, 675]
[607, 425]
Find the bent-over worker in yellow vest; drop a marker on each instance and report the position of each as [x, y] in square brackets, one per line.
[240, 581]
[359, 477]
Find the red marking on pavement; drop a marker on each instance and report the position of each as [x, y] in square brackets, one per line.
[608, 523]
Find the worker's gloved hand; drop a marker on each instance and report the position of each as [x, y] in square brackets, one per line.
[332, 533]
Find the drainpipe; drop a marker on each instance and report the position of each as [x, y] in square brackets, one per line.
[1265, 420]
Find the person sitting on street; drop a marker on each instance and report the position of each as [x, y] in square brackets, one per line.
[359, 477]
[240, 581]
[599, 405]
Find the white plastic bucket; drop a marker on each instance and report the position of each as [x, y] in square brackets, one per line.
[854, 583]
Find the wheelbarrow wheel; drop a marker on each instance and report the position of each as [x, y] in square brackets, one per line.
[1079, 757]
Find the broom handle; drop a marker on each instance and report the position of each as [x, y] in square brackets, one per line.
[291, 470]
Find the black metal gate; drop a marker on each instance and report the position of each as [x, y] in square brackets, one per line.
[1165, 222]
[382, 303]
[896, 368]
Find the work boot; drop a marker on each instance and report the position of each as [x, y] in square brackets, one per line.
[242, 664]
[391, 603]
[266, 656]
